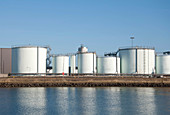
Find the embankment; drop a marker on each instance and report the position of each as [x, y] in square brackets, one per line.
[83, 82]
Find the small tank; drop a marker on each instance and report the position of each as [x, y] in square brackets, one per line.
[60, 64]
[108, 65]
[82, 49]
[163, 63]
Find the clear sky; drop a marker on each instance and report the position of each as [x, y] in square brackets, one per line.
[101, 25]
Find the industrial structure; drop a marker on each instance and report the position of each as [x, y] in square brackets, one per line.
[137, 60]
[86, 61]
[5, 60]
[36, 60]
[163, 63]
[108, 65]
[60, 64]
[73, 69]
[29, 59]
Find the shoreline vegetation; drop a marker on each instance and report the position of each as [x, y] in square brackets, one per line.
[83, 81]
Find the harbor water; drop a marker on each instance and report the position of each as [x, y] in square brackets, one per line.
[85, 101]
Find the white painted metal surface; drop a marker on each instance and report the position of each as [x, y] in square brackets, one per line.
[82, 49]
[108, 65]
[87, 63]
[60, 64]
[29, 59]
[73, 63]
[163, 64]
[137, 60]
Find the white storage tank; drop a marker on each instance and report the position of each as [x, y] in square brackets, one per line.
[108, 65]
[86, 61]
[73, 63]
[137, 60]
[163, 64]
[29, 59]
[60, 64]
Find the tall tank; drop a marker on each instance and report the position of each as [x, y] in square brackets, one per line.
[163, 64]
[86, 61]
[73, 63]
[137, 60]
[29, 59]
[60, 64]
[108, 65]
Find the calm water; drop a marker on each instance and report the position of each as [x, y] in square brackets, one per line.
[85, 101]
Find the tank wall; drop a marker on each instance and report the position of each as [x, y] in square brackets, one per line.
[87, 63]
[141, 61]
[152, 61]
[24, 60]
[42, 60]
[145, 61]
[108, 65]
[163, 64]
[60, 64]
[118, 65]
[73, 63]
[29, 60]
[127, 61]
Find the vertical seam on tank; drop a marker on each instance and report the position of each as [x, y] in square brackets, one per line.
[136, 61]
[148, 62]
[37, 59]
[93, 63]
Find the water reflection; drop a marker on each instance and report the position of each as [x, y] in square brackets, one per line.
[62, 101]
[32, 100]
[85, 101]
[108, 100]
[8, 101]
[162, 100]
[146, 101]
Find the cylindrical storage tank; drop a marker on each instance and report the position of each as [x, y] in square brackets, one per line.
[137, 60]
[29, 59]
[60, 64]
[163, 64]
[87, 63]
[73, 63]
[108, 65]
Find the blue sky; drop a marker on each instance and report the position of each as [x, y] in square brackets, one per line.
[101, 25]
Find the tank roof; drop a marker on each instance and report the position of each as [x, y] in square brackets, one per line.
[85, 52]
[107, 56]
[167, 53]
[136, 47]
[161, 55]
[28, 47]
[57, 55]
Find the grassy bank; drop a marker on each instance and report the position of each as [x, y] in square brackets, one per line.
[83, 82]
